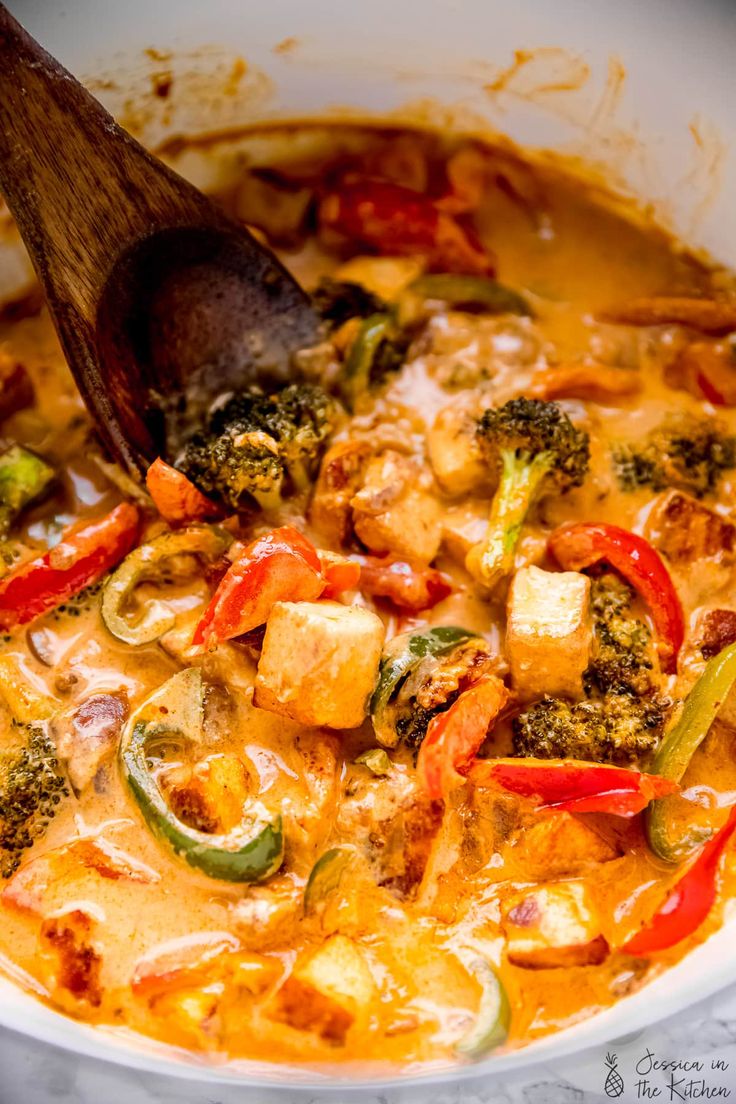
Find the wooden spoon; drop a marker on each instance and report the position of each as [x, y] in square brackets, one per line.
[160, 301]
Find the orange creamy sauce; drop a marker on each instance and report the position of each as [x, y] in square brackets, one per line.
[571, 257]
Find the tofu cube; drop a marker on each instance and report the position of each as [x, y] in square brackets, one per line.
[548, 632]
[395, 512]
[559, 844]
[553, 925]
[328, 990]
[454, 454]
[319, 663]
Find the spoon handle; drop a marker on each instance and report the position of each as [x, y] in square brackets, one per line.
[79, 187]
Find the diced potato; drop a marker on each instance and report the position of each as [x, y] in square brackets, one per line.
[454, 453]
[560, 844]
[212, 798]
[553, 925]
[687, 533]
[340, 478]
[394, 511]
[329, 989]
[549, 631]
[686, 530]
[319, 663]
[711, 630]
[384, 276]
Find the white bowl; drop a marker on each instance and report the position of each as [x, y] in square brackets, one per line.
[645, 91]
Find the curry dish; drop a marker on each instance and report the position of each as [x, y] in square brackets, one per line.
[392, 722]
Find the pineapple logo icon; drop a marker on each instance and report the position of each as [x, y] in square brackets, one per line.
[614, 1085]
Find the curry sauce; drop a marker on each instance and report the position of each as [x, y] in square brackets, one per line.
[411, 885]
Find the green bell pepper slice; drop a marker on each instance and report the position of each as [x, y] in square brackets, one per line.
[372, 333]
[471, 293]
[677, 749]
[325, 877]
[494, 1014]
[174, 716]
[24, 478]
[146, 563]
[403, 655]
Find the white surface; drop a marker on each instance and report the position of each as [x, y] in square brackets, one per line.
[380, 57]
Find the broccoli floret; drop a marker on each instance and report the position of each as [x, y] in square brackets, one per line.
[300, 420]
[256, 445]
[535, 446]
[411, 728]
[684, 452]
[623, 662]
[618, 728]
[623, 718]
[31, 787]
[339, 300]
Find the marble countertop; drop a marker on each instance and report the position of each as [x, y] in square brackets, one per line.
[691, 1056]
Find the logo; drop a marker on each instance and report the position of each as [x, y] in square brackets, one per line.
[614, 1085]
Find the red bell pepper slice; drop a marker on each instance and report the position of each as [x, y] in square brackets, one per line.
[340, 574]
[454, 737]
[576, 547]
[573, 785]
[688, 903]
[85, 553]
[392, 219]
[282, 566]
[175, 497]
[409, 588]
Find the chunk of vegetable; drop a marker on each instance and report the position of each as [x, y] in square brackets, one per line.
[576, 547]
[402, 656]
[409, 588]
[471, 293]
[173, 716]
[577, 787]
[148, 562]
[714, 316]
[88, 734]
[24, 478]
[325, 877]
[175, 497]
[688, 903]
[665, 832]
[494, 1014]
[395, 511]
[282, 566]
[83, 555]
[396, 220]
[454, 737]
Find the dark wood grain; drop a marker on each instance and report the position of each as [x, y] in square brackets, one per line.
[161, 303]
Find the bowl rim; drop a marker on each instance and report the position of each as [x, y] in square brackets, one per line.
[703, 976]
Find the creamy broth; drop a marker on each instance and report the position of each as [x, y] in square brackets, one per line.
[428, 883]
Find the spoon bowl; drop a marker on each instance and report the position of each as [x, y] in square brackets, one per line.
[161, 302]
